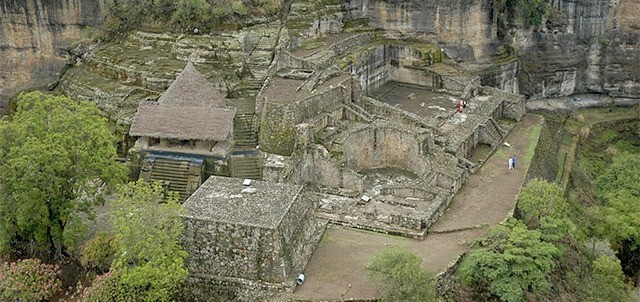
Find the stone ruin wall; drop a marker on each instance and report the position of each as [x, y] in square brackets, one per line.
[378, 108]
[544, 163]
[394, 62]
[278, 135]
[214, 250]
[247, 262]
[380, 147]
[317, 167]
[296, 231]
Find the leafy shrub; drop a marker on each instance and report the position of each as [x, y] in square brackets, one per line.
[99, 252]
[28, 280]
[239, 8]
[610, 286]
[401, 277]
[191, 13]
[108, 288]
[541, 199]
[510, 262]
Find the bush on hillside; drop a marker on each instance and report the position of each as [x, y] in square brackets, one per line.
[28, 280]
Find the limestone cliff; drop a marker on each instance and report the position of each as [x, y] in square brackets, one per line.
[465, 28]
[34, 38]
[585, 46]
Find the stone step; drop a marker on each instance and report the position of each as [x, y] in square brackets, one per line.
[246, 167]
[244, 133]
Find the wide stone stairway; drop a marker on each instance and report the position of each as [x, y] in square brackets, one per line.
[175, 174]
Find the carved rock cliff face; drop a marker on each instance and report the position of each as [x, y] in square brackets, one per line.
[586, 46]
[464, 28]
[34, 38]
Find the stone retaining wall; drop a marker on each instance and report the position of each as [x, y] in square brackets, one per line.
[544, 163]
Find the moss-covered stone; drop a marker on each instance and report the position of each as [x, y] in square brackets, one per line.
[278, 131]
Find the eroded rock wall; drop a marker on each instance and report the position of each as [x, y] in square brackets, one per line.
[585, 46]
[34, 38]
[465, 28]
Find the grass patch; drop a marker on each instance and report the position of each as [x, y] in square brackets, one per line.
[531, 147]
[565, 154]
[500, 153]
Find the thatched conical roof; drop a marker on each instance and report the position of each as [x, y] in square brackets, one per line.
[191, 108]
[192, 88]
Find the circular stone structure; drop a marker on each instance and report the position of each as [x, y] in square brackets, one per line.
[378, 147]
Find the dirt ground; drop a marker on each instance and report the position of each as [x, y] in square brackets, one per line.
[337, 270]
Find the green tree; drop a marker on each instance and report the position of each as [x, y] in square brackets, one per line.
[401, 277]
[622, 174]
[540, 199]
[609, 281]
[510, 261]
[617, 216]
[56, 156]
[148, 227]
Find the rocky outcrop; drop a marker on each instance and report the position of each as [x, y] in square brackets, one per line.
[34, 38]
[465, 29]
[586, 46]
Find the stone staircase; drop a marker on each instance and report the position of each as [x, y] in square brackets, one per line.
[179, 176]
[246, 166]
[492, 129]
[244, 134]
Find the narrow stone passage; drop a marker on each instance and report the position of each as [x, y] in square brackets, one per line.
[337, 269]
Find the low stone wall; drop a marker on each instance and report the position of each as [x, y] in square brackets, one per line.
[376, 107]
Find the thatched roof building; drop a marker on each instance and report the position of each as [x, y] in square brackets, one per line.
[191, 109]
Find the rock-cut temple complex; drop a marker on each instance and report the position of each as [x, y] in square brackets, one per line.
[378, 143]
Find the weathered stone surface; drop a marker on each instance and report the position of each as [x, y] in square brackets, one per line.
[464, 28]
[589, 47]
[35, 37]
[261, 234]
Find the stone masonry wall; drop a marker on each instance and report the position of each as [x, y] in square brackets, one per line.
[278, 135]
[223, 249]
[297, 229]
[383, 147]
[396, 62]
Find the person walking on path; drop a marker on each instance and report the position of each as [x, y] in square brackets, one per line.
[511, 163]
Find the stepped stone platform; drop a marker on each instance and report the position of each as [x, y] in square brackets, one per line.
[247, 237]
